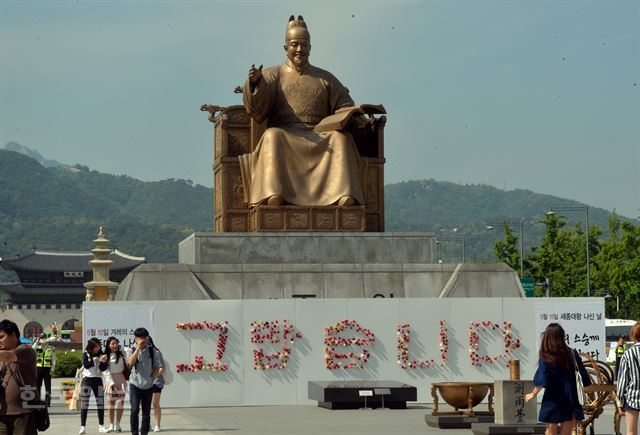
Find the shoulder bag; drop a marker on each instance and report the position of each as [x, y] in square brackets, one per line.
[579, 385]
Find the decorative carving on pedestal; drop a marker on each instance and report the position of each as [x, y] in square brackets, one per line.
[324, 220]
[217, 144]
[239, 223]
[372, 188]
[238, 142]
[237, 195]
[217, 192]
[299, 218]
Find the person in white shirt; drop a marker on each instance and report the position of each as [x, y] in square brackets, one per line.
[115, 385]
[93, 361]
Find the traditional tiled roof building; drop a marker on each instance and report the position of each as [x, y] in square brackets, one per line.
[58, 277]
[50, 287]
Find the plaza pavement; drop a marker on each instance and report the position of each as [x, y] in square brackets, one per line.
[281, 420]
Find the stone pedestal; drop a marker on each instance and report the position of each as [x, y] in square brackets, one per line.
[506, 429]
[509, 403]
[512, 415]
[320, 265]
[308, 248]
[347, 394]
[456, 421]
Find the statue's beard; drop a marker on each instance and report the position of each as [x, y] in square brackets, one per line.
[300, 61]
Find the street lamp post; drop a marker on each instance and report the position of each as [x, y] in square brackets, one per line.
[461, 239]
[514, 224]
[609, 296]
[453, 239]
[584, 208]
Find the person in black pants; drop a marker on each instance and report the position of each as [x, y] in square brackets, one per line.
[92, 361]
[145, 366]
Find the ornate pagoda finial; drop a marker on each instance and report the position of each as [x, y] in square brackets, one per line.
[101, 288]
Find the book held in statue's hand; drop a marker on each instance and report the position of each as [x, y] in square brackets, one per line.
[340, 119]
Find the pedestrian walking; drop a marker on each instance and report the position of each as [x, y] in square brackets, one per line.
[17, 374]
[557, 364]
[145, 365]
[115, 382]
[628, 388]
[158, 385]
[93, 361]
[45, 363]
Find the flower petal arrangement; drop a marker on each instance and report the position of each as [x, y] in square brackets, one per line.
[403, 333]
[475, 328]
[363, 337]
[273, 332]
[199, 363]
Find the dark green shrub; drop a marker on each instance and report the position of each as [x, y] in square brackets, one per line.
[67, 362]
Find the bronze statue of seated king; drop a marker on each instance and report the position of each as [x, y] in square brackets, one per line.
[315, 159]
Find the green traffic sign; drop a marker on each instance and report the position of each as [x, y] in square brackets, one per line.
[528, 284]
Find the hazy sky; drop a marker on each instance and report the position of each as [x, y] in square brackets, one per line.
[541, 95]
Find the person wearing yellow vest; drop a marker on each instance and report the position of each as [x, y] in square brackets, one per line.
[45, 363]
[619, 353]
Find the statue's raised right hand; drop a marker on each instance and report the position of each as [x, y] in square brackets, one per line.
[255, 74]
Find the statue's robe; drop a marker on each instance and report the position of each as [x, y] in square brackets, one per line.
[291, 159]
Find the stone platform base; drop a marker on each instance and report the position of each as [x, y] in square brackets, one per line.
[456, 421]
[296, 218]
[346, 394]
[506, 429]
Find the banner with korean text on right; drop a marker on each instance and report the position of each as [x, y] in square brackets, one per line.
[582, 320]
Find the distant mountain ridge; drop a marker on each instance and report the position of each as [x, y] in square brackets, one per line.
[24, 150]
[54, 208]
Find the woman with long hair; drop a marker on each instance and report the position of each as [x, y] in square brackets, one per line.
[93, 361]
[115, 382]
[158, 385]
[556, 375]
[629, 382]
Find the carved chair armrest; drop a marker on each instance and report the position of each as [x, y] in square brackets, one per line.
[369, 135]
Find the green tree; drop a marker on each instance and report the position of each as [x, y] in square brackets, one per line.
[507, 250]
[617, 268]
[561, 257]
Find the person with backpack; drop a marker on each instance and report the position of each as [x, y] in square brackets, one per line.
[145, 365]
[158, 385]
[17, 372]
[116, 376]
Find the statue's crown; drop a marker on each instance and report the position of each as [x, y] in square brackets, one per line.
[297, 29]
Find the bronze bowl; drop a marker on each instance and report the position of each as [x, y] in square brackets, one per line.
[457, 394]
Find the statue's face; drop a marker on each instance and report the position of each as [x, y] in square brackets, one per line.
[298, 51]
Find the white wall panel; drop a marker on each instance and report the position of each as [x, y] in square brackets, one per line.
[241, 384]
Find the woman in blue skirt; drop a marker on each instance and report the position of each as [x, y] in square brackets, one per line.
[556, 375]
